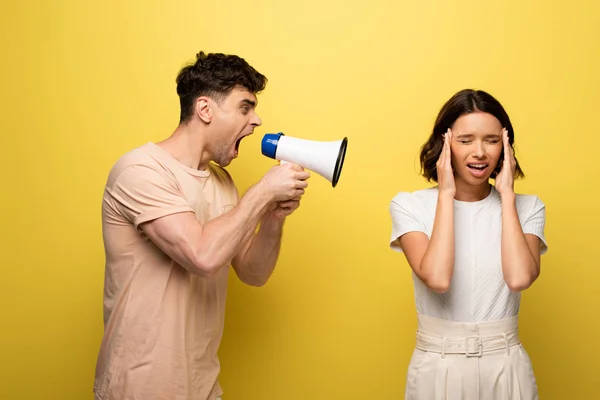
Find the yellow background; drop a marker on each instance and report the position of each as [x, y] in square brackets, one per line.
[83, 82]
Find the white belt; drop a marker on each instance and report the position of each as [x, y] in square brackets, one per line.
[471, 346]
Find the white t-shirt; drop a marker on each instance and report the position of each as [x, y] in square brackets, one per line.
[477, 290]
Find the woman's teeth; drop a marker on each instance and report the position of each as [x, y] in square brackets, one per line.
[477, 166]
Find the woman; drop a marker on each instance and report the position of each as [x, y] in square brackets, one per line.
[473, 247]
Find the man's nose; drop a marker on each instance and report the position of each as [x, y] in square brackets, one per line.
[256, 121]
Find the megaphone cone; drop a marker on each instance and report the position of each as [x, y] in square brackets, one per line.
[324, 158]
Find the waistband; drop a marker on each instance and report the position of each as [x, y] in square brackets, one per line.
[471, 339]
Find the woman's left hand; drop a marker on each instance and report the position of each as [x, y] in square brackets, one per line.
[506, 177]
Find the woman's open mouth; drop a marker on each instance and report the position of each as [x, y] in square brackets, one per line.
[478, 169]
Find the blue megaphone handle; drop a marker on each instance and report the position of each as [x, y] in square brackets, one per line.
[269, 144]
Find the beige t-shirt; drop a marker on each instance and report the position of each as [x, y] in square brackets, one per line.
[163, 325]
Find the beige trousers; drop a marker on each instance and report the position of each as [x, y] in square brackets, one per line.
[469, 361]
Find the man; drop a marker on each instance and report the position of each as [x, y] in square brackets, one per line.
[172, 226]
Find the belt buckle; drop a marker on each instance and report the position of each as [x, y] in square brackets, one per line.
[478, 353]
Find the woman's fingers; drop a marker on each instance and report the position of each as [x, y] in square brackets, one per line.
[448, 151]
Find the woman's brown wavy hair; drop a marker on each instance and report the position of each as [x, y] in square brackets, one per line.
[464, 102]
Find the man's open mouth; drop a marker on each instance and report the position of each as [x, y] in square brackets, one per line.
[237, 143]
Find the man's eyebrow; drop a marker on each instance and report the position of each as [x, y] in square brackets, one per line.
[249, 102]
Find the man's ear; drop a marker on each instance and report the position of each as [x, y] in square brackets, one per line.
[203, 109]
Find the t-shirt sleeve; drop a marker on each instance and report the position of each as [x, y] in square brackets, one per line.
[535, 222]
[406, 217]
[143, 193]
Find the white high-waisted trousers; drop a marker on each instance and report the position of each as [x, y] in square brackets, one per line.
[469, 361]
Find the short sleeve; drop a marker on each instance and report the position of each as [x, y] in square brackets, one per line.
[143, 193]
[535, 222]
[406, 217]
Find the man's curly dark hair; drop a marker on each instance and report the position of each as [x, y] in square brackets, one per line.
[215, 75]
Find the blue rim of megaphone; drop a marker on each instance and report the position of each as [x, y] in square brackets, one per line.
[339, 162]
[269, 144]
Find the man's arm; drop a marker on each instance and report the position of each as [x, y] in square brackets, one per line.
[256, 262]
[204, 249]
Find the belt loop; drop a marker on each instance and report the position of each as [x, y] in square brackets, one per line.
[444, 347]
[506, 343]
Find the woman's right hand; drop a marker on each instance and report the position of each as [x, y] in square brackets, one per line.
[445, 173]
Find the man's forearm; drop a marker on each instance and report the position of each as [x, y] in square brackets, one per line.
[229, 232]
[256, 265]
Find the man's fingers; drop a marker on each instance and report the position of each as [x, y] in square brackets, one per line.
[304, 175]
[301, 184]
[289, 203]
[293, 166]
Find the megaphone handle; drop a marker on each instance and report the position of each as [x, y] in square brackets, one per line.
[281, 162]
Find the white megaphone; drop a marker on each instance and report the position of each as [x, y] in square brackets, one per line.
[324, 158]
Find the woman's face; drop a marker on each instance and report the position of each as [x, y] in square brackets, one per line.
[476, 147]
